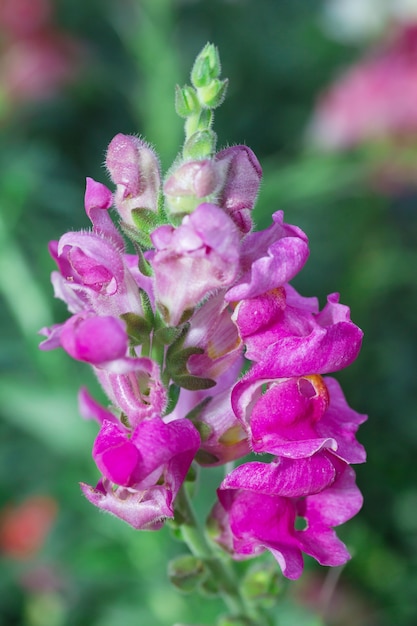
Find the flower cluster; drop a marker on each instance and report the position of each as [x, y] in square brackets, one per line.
[169, 330]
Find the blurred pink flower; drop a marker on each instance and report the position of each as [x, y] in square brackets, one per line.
[36, 59]
[375, 99]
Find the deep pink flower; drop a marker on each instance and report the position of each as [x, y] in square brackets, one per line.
[142, 472]
[260, 503]
[297, 417]
[287, 337]
[193, 260]
[269, 259]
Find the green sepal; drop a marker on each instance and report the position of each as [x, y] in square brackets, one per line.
[209, 587]
[193, 383]
[176, 364]
[186, 101]
[213, 94]
[147, 307]
[137, 327]
[186, 572]
[146, 221]
[165, 335]
[201, 144]
[145, 268]
[204, 429]
[206, 458]
[138, 237]
[173, 395]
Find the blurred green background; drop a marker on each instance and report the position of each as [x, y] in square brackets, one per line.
[92, 570]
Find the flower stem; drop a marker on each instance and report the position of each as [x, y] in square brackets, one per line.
[221, 570]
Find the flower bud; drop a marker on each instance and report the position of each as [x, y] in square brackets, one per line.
[206, 66]
[133, 166]
[192, 181]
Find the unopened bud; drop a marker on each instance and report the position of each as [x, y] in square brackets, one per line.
[134, 168]
[206, 66]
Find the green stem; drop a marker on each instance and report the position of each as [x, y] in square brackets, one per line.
[222, 571]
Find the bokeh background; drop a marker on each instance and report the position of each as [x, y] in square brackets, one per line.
[343, 166]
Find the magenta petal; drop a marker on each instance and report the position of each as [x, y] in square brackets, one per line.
[115, 455]
[342, 422]
[331, 507]
[281, 415]
[138, 391]
[92, 410]
[270, 258]
[53, 337]
[336, 504]
[301, 343]
[98, 199]
[290, 478]
[94, 339]
[160, 444]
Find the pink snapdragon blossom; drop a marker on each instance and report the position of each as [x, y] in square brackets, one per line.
[259, 504]
[297, 417]
[140, 479]
[288, 336]
[192, 260]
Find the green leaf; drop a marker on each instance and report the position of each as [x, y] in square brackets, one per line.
[138, 328]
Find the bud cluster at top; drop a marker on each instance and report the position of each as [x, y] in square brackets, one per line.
[170, 329]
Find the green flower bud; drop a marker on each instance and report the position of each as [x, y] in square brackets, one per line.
[206, 66]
